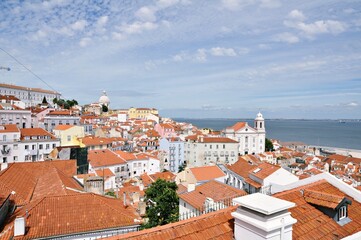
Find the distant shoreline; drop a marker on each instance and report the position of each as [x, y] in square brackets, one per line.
[271, 119]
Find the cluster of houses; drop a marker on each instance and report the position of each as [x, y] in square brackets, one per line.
[82, 174]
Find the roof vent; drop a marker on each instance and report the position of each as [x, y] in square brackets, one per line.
[257, 170]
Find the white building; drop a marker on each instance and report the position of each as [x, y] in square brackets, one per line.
[200, 150]
[174, 150]
[24, 145]
[30, 96]
[55, 118]
[21, 118]
[251, 139]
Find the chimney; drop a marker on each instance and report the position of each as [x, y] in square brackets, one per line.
[260, 217]
[191, 187]
[3, 166]
[19, 226]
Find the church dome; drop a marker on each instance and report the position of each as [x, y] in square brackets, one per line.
[104, 99]
[259, 116]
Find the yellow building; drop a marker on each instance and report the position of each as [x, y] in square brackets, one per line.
[142, 113]
[69, 134]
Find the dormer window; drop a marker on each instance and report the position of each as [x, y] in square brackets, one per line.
[333, 206]
[342, 212]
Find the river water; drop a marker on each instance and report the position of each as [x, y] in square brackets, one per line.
[329, 133]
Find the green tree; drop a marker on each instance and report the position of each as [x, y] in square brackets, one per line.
[182, 167]
[104, 108]
[162, 200]
[55, 100]
[268, 145]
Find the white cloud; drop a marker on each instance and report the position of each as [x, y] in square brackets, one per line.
[310, 30]
[234, 5]
[219, 51]
[352, 104]
[270, 3]
[201, 55]
[286, 37]
[102, 21]
[79, 25]
[146, 14]
[322, 26]
[118, 36]
[138, 27]
[166, 3]
[296, 15]
[85, 42]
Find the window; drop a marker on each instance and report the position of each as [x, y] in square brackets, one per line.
[15, 158]
[15, 146]
[342, 212]
[224, 146]
[33, 147]
[54, 145]
[47, 146]
[68, 138]
[4, 138]
[40, 146]
[26, 147]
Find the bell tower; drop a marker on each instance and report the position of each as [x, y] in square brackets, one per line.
[259, 122]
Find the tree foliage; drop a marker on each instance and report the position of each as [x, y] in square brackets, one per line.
[104, 108]
[66, 104]
[268, 145]
[182, 167]
[44, 100]
[162, 203]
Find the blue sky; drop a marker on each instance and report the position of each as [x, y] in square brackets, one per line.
[192, 58]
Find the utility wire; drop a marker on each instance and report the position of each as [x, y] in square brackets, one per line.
[28, 69]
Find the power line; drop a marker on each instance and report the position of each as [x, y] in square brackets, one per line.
[28, 69]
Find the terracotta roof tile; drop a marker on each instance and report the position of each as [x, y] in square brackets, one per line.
[207, 173]
[219, 192]
[264, 170]
[32, 180]
[311, 222]
[34, 132]
[215, 225]
[71, 214]
[242, 167]
[322, 199]
[9, 128]
[168, 176]
[63, 127]
[104, 157]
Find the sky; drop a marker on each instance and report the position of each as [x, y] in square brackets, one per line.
[191, 58]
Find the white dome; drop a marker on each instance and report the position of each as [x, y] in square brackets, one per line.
[104, 99]
[259, 116]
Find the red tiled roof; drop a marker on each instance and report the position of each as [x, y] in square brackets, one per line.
[26, 88]
[30, 132]
[219, 192]
[207, 173]
[95, 141]
[168, 176]
[32, 179]
[63, 127]
[241, 167]
[104, 172]
[322, 199]
[238, 125]
[264, 170]
[9, 128]
[214, 225]
[218, 140]
[312, 223]
[63, 215]
[104, 157]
